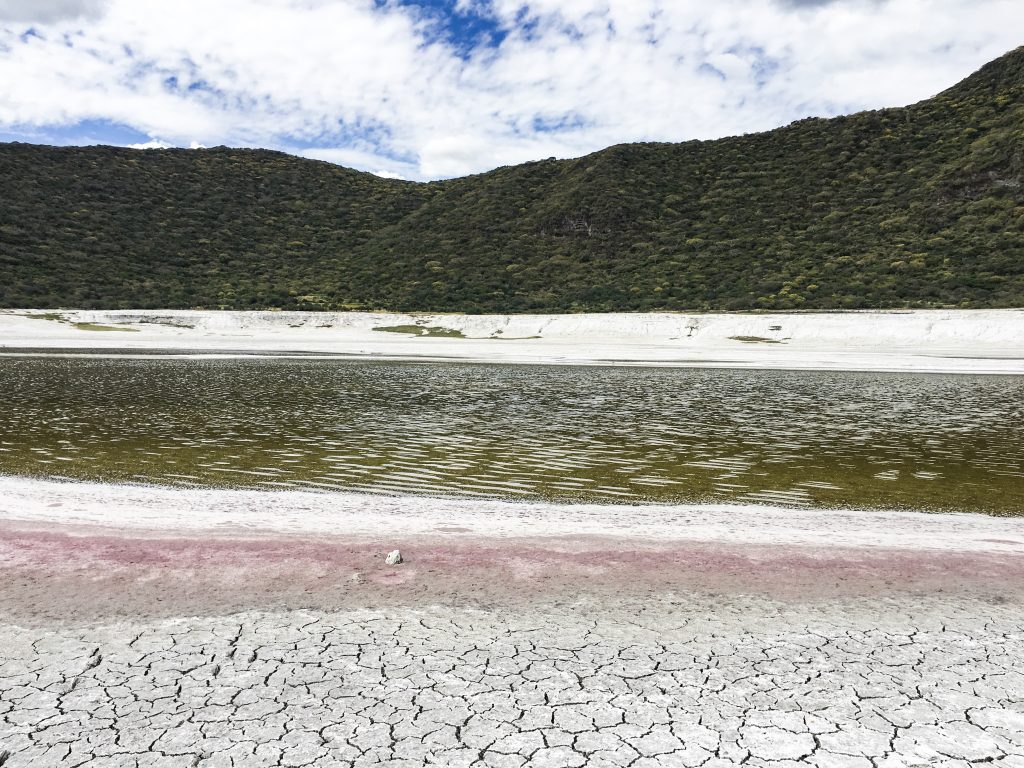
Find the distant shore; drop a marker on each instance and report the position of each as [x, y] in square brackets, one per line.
[935, 341]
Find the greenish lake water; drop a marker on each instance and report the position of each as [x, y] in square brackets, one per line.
[522, 432]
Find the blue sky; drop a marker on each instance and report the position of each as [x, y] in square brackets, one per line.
[465, 27]
[427, 89]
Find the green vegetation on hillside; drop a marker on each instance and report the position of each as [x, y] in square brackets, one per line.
[918, 206]
[433, 331]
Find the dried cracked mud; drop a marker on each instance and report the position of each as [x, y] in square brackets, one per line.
[674, 682]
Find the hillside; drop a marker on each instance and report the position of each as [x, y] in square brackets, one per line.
[917, 206]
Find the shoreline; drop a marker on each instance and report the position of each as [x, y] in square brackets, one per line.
[925, 341]
[64, 575]
[84, 552]
[230, 512]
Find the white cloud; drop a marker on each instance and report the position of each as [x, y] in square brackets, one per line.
[151, 144]
[47, 11]
[371, 87]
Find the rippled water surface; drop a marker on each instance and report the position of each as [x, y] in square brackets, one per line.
[530, 432]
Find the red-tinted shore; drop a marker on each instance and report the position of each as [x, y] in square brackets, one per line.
[86, 572]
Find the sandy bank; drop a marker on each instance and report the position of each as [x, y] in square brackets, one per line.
[215, 512]
[978, 341]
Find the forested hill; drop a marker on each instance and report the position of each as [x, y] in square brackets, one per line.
[910, 207]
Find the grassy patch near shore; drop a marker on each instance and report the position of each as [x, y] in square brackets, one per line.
[98, 327]
[60, 318]
[436, 331]
[755, 340]
[168, 322]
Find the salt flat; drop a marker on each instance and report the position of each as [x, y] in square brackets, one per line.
[966, 341]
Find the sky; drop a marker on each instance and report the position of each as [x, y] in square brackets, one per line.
[427, 89]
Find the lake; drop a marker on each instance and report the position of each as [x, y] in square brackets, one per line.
[556, 433]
